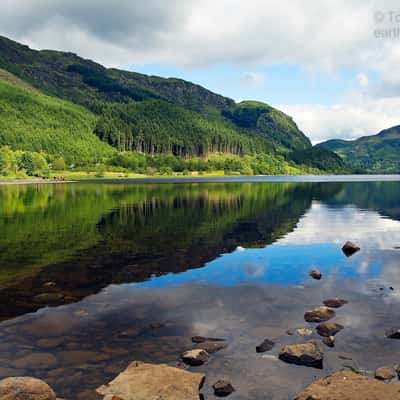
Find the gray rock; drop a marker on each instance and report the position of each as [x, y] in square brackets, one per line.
[266, 345]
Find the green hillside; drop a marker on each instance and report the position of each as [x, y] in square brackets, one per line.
[377, 153]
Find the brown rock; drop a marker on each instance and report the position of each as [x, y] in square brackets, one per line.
[50, 343]
[335, 303]
[347, 385]
[309, 354]
[35, 361]
[24, 388]
[316, 274]
[195, 357]
[329, 329]
[78, 356]
[142, 381]
[211, 347]
[350, 248]
[319, 314]
[384, 374]
[223, 388]
[329, 341]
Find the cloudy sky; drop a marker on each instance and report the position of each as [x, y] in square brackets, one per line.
[331, 64]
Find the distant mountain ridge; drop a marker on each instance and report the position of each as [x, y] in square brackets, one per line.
[375, 153]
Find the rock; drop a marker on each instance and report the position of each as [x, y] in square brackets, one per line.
[141, 381]
[329, 341]
[319, 314]
[316, 274]
[309, 354]
[211, 347]
[266, 345]
[335, 303]
[289, 332]
[195, 357]
[350, 248]
[157, 325]
[35, 361]
[78, 356]
[25, 388]
[201, 339]
[329, 329]
[304, 331]
[223, 388]
[50, 343]
[393, 333]
[51, 297]
[347, 385]
[384, 374]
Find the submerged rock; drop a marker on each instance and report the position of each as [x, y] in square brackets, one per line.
[201, 339]
[223, 388]
[211, 347]
[25, 388]
[335, 303]
[35, 361]
[319, 314]
[349, 248]
[316, 274]
[347, 385]
[384, 374]
[266, 345]
[393, 333]
[309, 354]
[329, 329]
[141, 381]
[195, 357]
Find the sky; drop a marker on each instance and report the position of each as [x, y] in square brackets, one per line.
[333, 65]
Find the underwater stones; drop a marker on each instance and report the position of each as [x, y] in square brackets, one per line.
[35, 361]
[266, 345]
[195, 357]
[223, 388]
[309, 354]
[327, 329]
[384, 374]
[335, 303]
[319, 314]
[349, 248]
[25, 388]
[315, 274]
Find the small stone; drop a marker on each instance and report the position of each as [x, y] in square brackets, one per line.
[329, 341]
[289, 332]
[309, 354]
[266, 345]
[211, 347]
[195, 357]
[350, 248]
[223, 388]
[50, 343]
[393, 333]
[304, 331]
[329, 329]
[201, 339]
[25, 388]
[316, 274]
[319, 314]
[384, 374]
[335, 303]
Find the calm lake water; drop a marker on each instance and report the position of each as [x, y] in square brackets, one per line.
[96, 275]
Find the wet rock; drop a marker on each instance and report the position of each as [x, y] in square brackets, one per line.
[350, 248]
[347, 385]
[201, 339]
[35, 361]
[384, 374]
[141, 381]
[25, 388]
[223, 388]
[316, 274]
[266, 345]
[320, 314]
[329, 329]
[335, 303]
[50, 343]
[304, 331]
[393, 333]
[289, 332]
[329, 341]
[195, 357]
[211, 347]
[309, 354]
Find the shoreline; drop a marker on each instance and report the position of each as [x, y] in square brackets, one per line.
[32, 181]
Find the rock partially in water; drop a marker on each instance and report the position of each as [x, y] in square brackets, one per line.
[201, 339]
[384, 374]
[211, 347]
[35, 361]
[304, 331]
[329, 341]
[347, 385]
[266, 345]
[335, 303]
[309, 354]
[316, 274]
[25, 388]
[195, 357]
[141, 381]
[223, 388]
[349, 248]
[48, 298]
[327, 329]
[393, 333]
[319, 314]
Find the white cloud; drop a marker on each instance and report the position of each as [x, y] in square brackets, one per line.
[253, 79]
[363, 80]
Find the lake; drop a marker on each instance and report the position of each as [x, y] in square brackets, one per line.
[96, 275]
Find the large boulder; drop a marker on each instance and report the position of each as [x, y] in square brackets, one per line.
[319, 314]
[347, 385]
[141, 381]
[25, 388]
[309, 354]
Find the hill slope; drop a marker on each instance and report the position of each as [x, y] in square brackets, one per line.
[377, 153]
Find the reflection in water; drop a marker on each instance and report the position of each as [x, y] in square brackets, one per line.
[228, 260]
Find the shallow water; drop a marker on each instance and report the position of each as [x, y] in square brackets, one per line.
[94, 276]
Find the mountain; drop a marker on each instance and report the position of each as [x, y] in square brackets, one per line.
[146, 114]
[377, 153]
